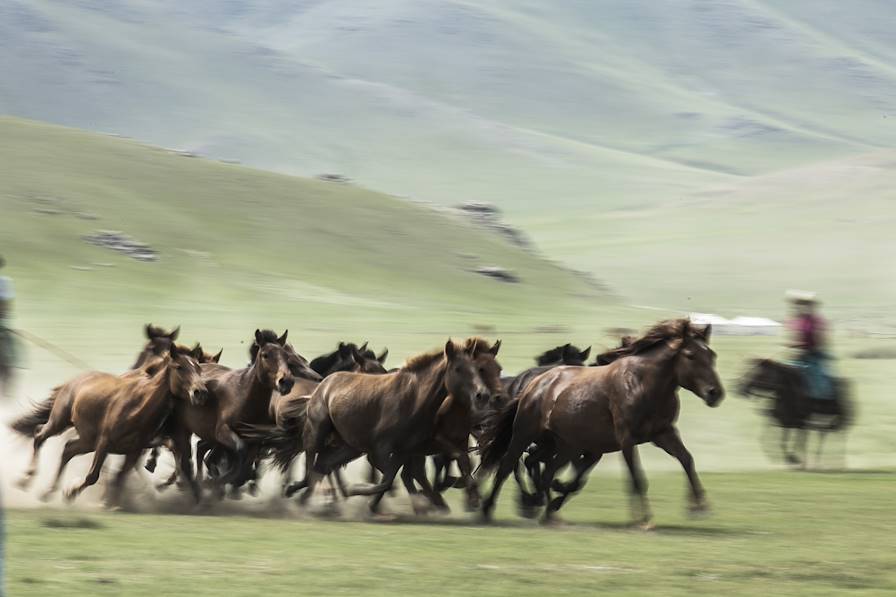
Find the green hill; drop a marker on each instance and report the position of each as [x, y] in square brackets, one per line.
[243, 247]
[612, 132]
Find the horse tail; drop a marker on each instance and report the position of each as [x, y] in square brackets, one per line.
[284, 441]
[496, 435]
[28, 424]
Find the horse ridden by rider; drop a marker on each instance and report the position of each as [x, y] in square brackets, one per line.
[804, 394]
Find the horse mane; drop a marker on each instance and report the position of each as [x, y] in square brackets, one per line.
[269, 337]
[664, 330]
[424, 360]
[473, 346]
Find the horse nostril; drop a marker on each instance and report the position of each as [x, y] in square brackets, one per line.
[285, 386]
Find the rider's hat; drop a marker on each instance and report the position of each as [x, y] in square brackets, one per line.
[802, 297]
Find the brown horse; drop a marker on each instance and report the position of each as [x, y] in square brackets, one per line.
[283, 439]
[582, 413]
[54, 415]
[122, 414]
[397, 417]
[237, 396]
[158, 343]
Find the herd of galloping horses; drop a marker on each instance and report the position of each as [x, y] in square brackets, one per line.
[345, 405]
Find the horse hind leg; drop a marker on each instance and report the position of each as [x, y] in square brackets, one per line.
[73, 447]
[54, 426]
[582, 466]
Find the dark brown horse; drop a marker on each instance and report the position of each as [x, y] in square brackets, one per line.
[122, 414]
[568, 354]
[346, 357]
[395, 418]
[581, 413]
[237, 396]
[793, 409]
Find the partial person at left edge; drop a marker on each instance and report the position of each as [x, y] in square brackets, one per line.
[8, 356]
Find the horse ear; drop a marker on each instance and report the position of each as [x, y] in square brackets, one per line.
[495, 348]
[363, 347]
[148, 331]
[174, 333]
[450, 350]
[259, 340]
[357, 357]
[217, 357]
[383, 355]
[196, 352]
[707, 331]
[282, 339]
[585, 353]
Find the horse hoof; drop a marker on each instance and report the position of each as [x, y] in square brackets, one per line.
[70, 495]
[382, 517]
[552, 521]
[699, 509]
[46, 496]
[252, 488]
[530, 512]
[646, 526]
[25, 482]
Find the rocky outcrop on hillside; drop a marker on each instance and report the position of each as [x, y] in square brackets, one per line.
[122, 243]
[489, 216]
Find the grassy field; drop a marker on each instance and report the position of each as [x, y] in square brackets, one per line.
[770, 533]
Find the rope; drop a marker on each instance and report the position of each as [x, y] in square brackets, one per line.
[51, 348]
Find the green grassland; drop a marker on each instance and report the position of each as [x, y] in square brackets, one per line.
[772, 533]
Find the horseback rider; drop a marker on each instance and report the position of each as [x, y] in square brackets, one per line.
[808, 330]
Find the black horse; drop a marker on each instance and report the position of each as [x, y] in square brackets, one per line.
[793, 409]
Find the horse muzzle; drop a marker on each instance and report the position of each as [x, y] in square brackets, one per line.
[199, 397]
[284, 386]
[713, 396]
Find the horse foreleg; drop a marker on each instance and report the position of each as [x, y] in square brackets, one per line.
[670, 441]
[395, 461]
[228, 438]
[641, 510]
[822, 434]
[417, 466]
[99, 457]
[184, 462]
[470, 484]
